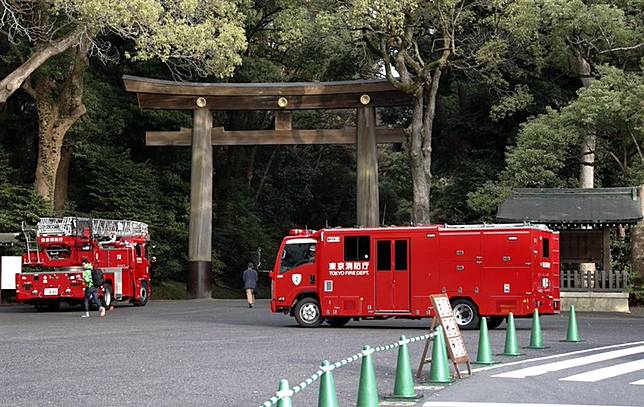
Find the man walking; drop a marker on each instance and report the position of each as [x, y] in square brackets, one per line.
[91, 291]
[250, 284]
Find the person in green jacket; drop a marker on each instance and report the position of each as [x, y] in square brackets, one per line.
[91, 292]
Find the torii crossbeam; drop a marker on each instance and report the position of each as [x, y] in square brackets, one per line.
[281, 98]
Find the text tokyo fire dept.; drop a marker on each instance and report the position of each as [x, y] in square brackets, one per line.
[335, 275]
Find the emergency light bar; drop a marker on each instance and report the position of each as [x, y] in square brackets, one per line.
[300, 232]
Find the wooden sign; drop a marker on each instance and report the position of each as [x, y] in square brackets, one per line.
[444, 316]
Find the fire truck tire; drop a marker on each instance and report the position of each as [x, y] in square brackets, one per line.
[108, 296]
[494, 322]
[337, 322]
[307, 313]
[143, 295]
[466, 314]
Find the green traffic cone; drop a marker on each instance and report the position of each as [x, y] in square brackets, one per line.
[327, 396]
[404, 384]
[439, 370]
[284, 393]
[511, 339]
[573, 331]
[536, 340]
[368, 388]
[484, 354]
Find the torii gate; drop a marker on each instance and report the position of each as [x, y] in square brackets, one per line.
[281, 98]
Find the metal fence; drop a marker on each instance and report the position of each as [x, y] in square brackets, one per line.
[594, 280]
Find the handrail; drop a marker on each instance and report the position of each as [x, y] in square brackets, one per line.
[318, 373]
[526, 225]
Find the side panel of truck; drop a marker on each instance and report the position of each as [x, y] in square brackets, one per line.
[507, 271]
[460, 254]
[426, 267]
[374, 273]
[346, 280]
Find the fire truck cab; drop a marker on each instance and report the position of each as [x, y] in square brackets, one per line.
[52, 271]
[335, 275]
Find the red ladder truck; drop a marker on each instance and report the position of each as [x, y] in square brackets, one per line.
[335, 275]
[52, 271]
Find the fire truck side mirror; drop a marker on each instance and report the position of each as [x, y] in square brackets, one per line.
[153, 259]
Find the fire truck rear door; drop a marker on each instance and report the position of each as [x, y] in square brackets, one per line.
[392, 275]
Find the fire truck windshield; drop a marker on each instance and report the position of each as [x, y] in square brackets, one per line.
[297, 253]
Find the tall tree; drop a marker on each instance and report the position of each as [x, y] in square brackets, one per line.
[575, 37]
[547, 147]
[189, 36]
[415, 40]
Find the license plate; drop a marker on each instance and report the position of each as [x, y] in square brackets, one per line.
[51, 291]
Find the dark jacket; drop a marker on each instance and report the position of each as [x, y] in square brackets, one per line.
[250, 278]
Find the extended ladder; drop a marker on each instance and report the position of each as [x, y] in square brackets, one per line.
[72, 226]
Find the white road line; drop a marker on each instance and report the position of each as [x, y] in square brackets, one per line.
[639, 382]
[469, 404]
[566, 364]
[607, 372]
[560, 355]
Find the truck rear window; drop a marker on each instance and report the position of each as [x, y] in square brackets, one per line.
[356, 248]
[546, 248]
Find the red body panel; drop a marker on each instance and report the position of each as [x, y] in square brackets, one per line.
[52, 272]
[392, 271]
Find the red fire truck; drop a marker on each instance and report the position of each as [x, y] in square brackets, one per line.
[335, 275]
[52, 271]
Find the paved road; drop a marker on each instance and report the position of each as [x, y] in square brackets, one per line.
[220, 353]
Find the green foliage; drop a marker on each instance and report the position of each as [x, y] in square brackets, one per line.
[236, 225]
[517, 100]
[17, 203]
[168, 290]
[206, 36]
[548, 145]
[510, 66]
[523, 41]
[395, 187]
[554, 31]
[111, 185]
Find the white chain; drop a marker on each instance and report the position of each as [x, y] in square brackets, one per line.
[311, 379]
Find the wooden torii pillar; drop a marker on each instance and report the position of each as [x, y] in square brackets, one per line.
[281, 98]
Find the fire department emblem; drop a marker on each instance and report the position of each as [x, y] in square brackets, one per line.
[296, 279]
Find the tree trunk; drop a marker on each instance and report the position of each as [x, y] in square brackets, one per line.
[61, 193]
[582, 69]
[12, 82]
[262, 181]
[250, 170]
[421, 133]
[587, 170]
[58, 109]
[420, 182]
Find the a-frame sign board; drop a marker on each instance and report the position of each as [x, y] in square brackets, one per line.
[444, 316]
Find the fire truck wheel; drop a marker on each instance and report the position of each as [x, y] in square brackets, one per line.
[143, 295]
[337, 322]
[108, 295]
[465, 313]
[307, 313]
[494, 322]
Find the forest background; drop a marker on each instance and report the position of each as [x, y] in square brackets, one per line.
[509, 94]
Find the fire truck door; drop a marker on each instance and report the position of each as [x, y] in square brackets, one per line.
[392, 275]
